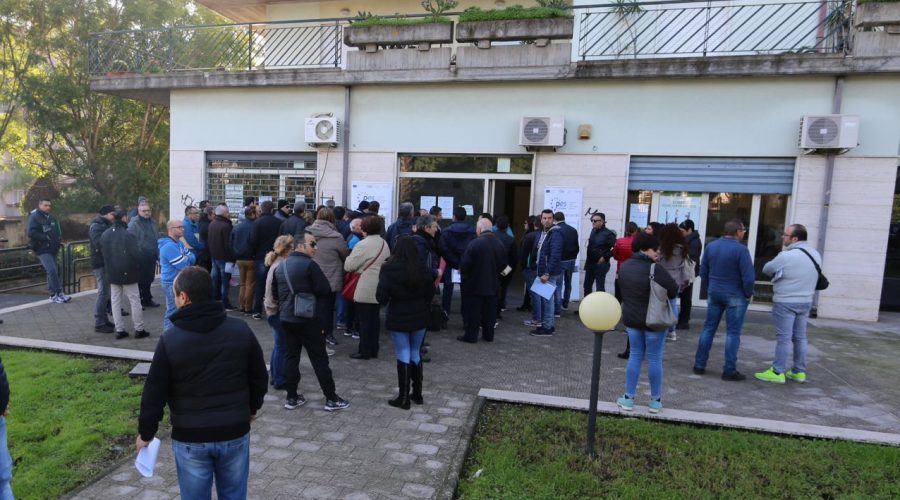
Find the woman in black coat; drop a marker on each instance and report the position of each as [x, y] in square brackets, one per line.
[634, 283]
[407, 292]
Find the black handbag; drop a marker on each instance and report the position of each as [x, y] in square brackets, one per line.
[822, 282]
[304, 303]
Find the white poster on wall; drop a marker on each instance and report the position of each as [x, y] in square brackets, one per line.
[569, 201]
[382, 192]
[446, 204]
[678, 207]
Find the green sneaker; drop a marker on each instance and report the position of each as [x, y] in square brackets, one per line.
[770, 376]
[798, 377]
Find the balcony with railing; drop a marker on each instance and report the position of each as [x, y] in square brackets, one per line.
[605, 36]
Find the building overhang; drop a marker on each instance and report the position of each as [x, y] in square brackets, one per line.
[244, 11]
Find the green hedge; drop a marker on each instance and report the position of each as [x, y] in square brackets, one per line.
[512, 13]
[398, 21]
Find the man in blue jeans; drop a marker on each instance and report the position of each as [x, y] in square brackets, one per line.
[43, 240]
[728, 271]
[794, 272]
[548, 268]
[210, 370]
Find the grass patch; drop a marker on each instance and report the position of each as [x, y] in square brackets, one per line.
[512, 12]
[70, 418]
[532, 452]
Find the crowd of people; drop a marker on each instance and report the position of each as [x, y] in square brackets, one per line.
[311, 273]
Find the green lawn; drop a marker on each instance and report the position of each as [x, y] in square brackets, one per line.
[531, 452]
[69, 419]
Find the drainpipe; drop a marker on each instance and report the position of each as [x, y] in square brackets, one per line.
[345, 191]
[836, 101]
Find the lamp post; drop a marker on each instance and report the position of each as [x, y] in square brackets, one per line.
[600, 312]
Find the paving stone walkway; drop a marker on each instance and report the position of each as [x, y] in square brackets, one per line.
[372, 450]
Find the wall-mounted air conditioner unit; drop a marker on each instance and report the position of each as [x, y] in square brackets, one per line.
[323, 130]
[542, 132]
[829, 132]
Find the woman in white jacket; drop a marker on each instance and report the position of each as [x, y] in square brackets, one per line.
[366, 259]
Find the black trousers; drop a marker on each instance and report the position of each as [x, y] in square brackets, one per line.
[479, 311]
[296, 337]
[327, 312]
[504, 288]
[684, 313]
[369, 317]
[146, 272]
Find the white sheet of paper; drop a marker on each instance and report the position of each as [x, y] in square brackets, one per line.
[470, 210]
[545, 290]
[446, 204]
[229, 267]
[146, 458]
[455, 276]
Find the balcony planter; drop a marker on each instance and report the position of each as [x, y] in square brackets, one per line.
[539, 31]
[421, 35]
[873, 14]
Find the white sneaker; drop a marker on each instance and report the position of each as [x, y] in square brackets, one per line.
[56, 299]
[672, 336]
[329, 351]
[64, 297]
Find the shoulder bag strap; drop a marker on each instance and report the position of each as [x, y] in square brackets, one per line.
[652, 271]
[376, 258]
[818, 269]
[286, 277]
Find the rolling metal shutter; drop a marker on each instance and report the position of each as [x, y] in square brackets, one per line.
[712, 175]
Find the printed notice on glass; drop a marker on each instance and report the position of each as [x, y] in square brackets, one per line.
[426, 202]
[640, 214]
[679, 207]
[234, 197]
[446, 204]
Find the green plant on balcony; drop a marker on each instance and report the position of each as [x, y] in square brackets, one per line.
[629, 11]
[546, 9]
[370, 32]
[436, 8]
[538, 25]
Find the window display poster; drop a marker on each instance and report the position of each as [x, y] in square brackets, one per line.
[678, 207]
[382, 192]
[639, 213]
[566, 200]
[234, 197]
[446, 204]
[426, 202]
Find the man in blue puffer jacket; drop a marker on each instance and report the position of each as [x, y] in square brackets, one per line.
[454, 240]
[173, 257]
[548, 268]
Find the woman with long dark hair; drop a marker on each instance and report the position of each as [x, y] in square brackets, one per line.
[407, 292]
[672, 253]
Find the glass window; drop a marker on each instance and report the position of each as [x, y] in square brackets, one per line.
[467, 164]
[772, 214]
[465, 192]
[724, 207]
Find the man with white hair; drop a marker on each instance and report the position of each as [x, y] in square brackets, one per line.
[145, 230]
[481, 264]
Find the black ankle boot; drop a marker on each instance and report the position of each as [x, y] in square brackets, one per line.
[402, 399]
[415, 375]
[627, 352]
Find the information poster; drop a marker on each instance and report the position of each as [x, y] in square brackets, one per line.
[678, 207]
[446, 204]
[234, 197]
[382, 192]
[639, 213]
[569, 201]
[426, 202]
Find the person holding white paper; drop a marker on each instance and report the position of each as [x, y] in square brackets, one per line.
[452, 244]
[548, 269]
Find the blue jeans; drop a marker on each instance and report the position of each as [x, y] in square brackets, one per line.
[560, 281]
[48, 260]
[6, 464]
[790, 328]
[170, 305]
[568, 268]
[340, 307]
[228, 462]
[276, 362]
[261, 273]
[528, 276]
[407, 345]
[734, 307]
[548, 307]
[100, 316]
[674, 303]
[221, 281]
[653, 345]
[595, 274]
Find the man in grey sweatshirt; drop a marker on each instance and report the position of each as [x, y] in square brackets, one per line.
[794, 276]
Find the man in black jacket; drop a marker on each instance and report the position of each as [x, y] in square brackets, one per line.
[305, 277]
[219, 244]
[121, 261]
[262, 239]
[295, 224]
[210, 370]
[695, 248]
[599, 251]
[43, 240]
[206, 216]
[481, 264]
[100, 224]
[512, 258]
[569, 257]
[452, 243]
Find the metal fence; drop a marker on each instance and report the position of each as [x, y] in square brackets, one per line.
[21, 270]
[300, 44]
[670, 29]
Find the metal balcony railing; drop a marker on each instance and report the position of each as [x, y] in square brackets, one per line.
[623, 29]
[695, 29]
[297, 44]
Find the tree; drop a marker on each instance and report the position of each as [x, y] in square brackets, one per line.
[115, 148]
